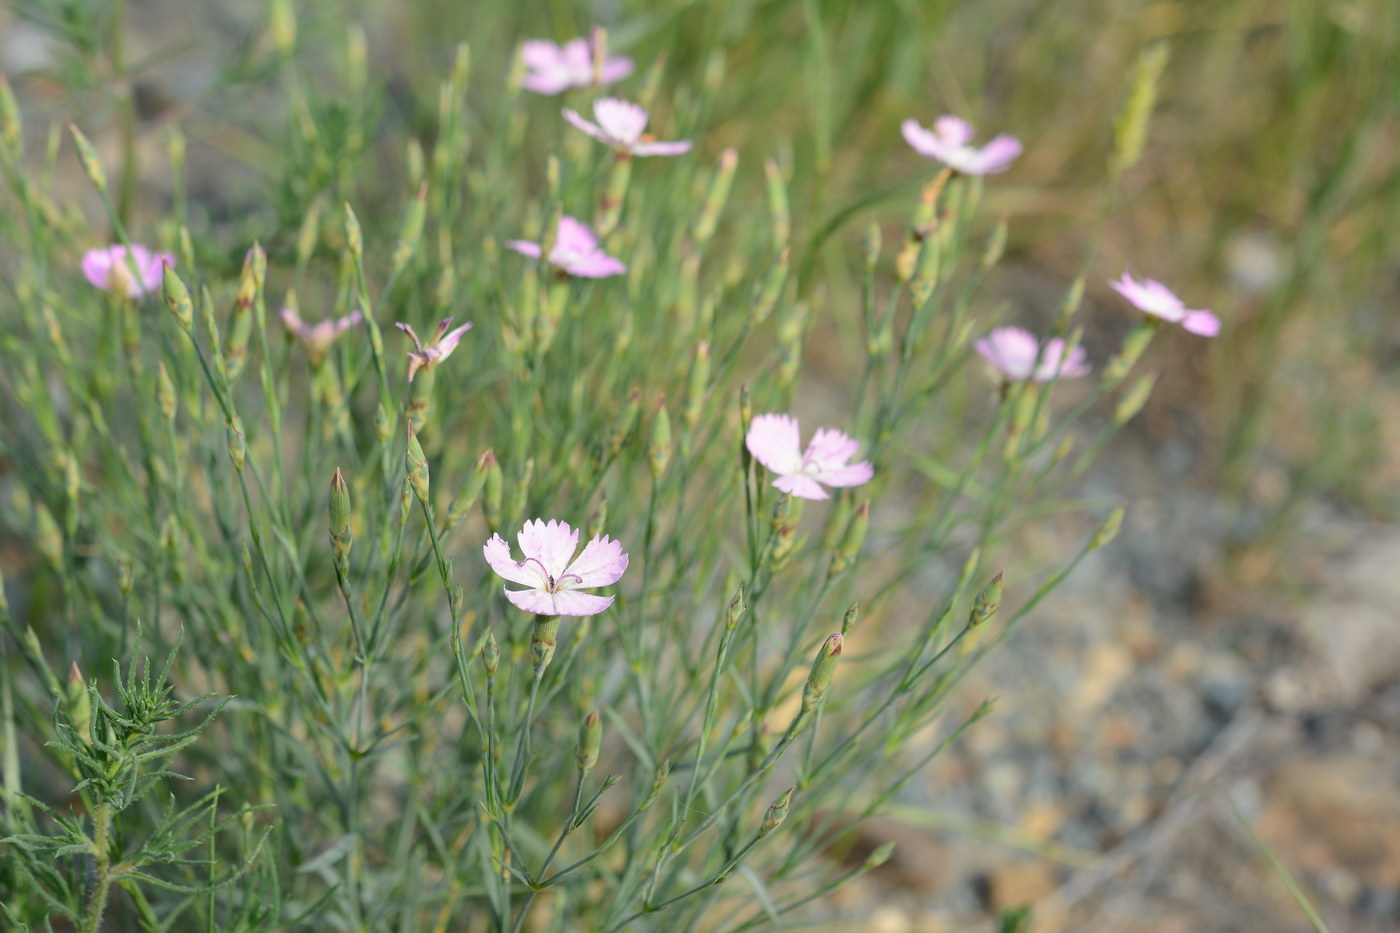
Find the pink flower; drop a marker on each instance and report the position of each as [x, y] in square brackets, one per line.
[620, 125]
[575, 251]
[317, 338]
[109, 268]
[774, 442]
[948, 143]
[1154, 298]
[439, 348]
[1017, 355]
[552, 68]
[552, 573]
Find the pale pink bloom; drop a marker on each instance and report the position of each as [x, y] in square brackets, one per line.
[576, 251]
[552, 68]
[317, 338]
[621, 124]
[948, 142]
[774, 442]
[552, 573]
[1154, 298]
[439, 348]
[108, 267]
[1016, 353]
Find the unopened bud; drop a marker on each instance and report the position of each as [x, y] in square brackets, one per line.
[48, 536]
[1134, 399]
[848, 621]
[776, 813]
[354, 236]
[87, 155]
[659, 450]
[1108, 530]
[854, 537]
[698, 383]
[490, 655]
[659, 781]
[11, 130]
[716, 196]
[822, 669]
[411, 229]
[177, 299]
[1133, 346]
[165, 393]
[879, 857]
[543, 637]
[416, 462]
[765, 294]
[737, 606]
[79, 704]
[590, 739]
[987, 602]
[237, 446]
[625, 424]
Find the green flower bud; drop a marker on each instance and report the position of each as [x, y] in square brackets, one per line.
[411, 230]
[87, 155]
[1108, 530]
[987, 602]
[1134, 399]
[850, 543]
[848, 621]
[78, 705]
[48, 536]
[543, 637]
[766, 293]
[1133, 346]
[777, 202]
[823, 667]
[237, 446]
[716, 196]
[490, 655]
[416, 463]
[466, 496]
[659, 451]
[165, 393]
[177, 299]
[626, 423]
[737, 606]
[590, 739]
[698, 383]
[354, 236]
[776, 814]
[879, 857]
[11, 129]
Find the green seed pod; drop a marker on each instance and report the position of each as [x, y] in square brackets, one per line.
[659, 450]
[493, 490]
[416, 463]
[716, 196]
[87, 155]
[987, 602]
[165, 393]
[1108, 530]
[177, 299]
[850, 543]
[78, 705]
[411, 230]
[237, 446]
[822, 668]
[776, 813]
[590, 740]
[490, 655]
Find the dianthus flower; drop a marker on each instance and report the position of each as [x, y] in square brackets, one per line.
[948, 142]
[554, 577]
[575, 251]
[317, 338]
[552, 68]
[439, 348]
[1154, 298]
[775, 442]
[108, 268]
[622, 124]
[1016, 354]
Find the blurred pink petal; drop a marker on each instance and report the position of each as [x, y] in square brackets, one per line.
[552, 68]
[437, 349]
[1152, 297]
[621, 124]
[107, 266]
[1016, 354]
[949, 142]
[774, 441]
[575, 251]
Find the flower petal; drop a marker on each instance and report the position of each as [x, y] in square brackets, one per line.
[955, 131]
[775, 442]
[601, 563]
[524, 248]
[801, 485]
[829, 449]
[540, 54]
[588, 126]
[596, 265]
[1202, 323]
[622, 120]
[615, 69]
[997, 155]
[856, 474]
[661, 149]
[924, 142]
[551, 544]
[497, 554]
[574, 236]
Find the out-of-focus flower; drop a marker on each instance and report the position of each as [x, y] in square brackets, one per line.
[109, 269]
[621, 124]
[554, 576]
[948, 142]
[317, 338]
[1154, 298]
[775, 442]
[575, 251]
[552, 68]
[439, 348]
[1016, 354]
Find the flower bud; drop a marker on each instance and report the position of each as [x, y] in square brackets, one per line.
[48, 536]
[590, 739]
[416, 463]
[11, 129]
[698, 383]
[1133, 346]
[1108, 530]
[543, 637]
[778, 210]
[737, 607]
[848, 621]
[411, 230]
[823, 667]
[87, 155]
[879, 857]
[659, 450]
[663, 771]
[625, 424]
[490, 655]
[716, 196]
[776, 814]
[177, 299]
[165, 393]
[237, 446]
[354, 236]
[766, 293]
[852, 540]
[466, 496]
[996, 245]
[987, 602]
[1132, 401]
[78, 705]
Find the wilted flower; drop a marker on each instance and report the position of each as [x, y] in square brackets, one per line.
[948, 143]
[317, 338]
[774, 442]
[553, 68]
[439, 348]
[620, 124]
[109, 268]
[575, 251]
[1016, 353]
[1154, 298]
[554, 576]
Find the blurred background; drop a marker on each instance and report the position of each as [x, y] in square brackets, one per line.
[1238, 648]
